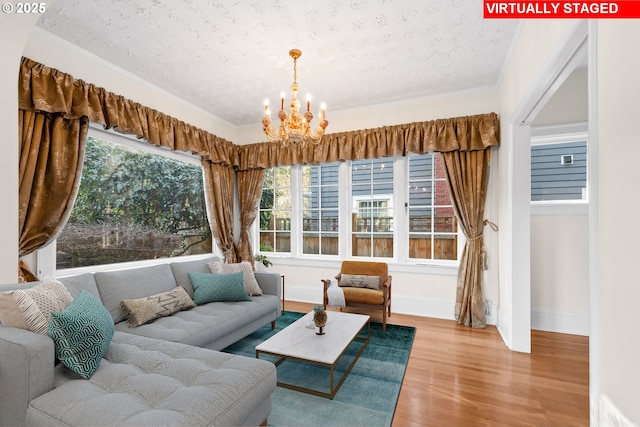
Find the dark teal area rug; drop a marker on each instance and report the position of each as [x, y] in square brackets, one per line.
[367, 397]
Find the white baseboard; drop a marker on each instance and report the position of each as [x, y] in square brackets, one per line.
[426, 307]
[561, 322]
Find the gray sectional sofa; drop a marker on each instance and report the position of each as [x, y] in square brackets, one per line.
[167, 372]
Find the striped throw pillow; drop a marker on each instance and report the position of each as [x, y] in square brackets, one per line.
[30, 308]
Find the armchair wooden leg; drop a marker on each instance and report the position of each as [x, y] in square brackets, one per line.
[273, 325]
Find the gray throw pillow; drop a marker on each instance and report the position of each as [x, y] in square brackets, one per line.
[148, 309]
[360, 281]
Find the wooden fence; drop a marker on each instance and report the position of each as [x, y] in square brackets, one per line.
[370, 237]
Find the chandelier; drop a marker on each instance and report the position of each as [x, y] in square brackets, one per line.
[294, 127]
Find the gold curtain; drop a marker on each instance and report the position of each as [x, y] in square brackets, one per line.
[468, 133]
[467, 175]
[250, 192]
[48, 90]
[51, 156]
[219, 183]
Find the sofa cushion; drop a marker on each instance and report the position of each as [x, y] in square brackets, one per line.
[148, 382]
[81, 334]
[250, 282]
[76, 283]
[32, 307]
[115, 286]
[143, 310]
[218, 287]
[363, 296]
[181, 270]
[211, 325]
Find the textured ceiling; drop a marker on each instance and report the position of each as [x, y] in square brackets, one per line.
[228, 56]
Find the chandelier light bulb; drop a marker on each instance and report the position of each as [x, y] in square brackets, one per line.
[267, 111]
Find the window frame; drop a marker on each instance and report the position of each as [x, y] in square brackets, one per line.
[45, 257]
[400, 261]
[558, 134]
[434, 206]
[294, 223]
[300, 193]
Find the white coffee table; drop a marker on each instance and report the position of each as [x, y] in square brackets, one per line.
[298, 342]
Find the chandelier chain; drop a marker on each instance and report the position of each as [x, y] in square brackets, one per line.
[295, 70]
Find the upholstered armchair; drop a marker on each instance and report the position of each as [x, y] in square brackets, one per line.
[366, 286]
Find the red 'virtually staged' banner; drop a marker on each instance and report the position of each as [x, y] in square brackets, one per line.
[561, 9]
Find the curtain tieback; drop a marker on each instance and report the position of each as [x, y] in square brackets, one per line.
[483, 252]
[229, 254]
[490, 224]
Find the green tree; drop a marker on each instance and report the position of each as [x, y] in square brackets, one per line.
[136, 188]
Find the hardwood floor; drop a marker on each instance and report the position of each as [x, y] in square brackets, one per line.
[459, 376]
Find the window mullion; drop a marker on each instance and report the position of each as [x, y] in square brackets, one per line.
[400, 228]
[296, 210]
[345, 208]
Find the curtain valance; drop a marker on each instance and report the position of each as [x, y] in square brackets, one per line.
[468, 133]
[48, 90]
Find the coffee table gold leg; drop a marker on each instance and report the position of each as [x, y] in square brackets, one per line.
[331, 392]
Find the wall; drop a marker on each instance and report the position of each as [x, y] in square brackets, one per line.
[618, 86]
[569, 104]
[55, 52]
[560, 233]
[14, 31]
[559, 272]
[538, 44]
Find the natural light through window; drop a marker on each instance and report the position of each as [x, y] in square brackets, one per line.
[133, 205]
[275, 211]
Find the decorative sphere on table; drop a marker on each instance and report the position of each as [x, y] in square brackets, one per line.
[320, 319]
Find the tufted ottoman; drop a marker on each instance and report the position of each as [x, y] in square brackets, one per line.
[148, 382]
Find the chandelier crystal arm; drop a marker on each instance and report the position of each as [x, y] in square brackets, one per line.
[294, 126]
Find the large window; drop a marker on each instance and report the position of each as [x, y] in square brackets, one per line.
[433, 229]
[133, 205]
[373, 214]
[320, 215]
[275, 211]
[398, 209]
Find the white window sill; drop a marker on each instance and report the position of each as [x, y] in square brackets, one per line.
[418, 268]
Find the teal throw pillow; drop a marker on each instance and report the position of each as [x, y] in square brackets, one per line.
[81, 334]
[218, 287]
